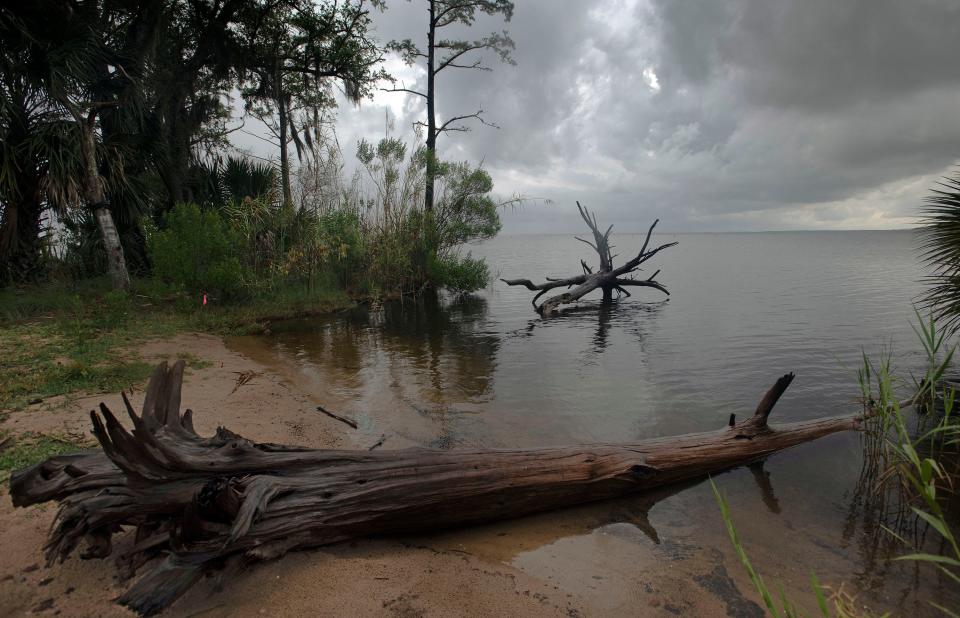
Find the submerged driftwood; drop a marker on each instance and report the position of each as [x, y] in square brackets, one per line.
[607, 278]
[196, 502]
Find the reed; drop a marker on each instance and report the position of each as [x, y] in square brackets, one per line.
[839, 603]
[919, 453]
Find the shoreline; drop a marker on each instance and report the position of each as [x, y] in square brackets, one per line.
[502, 568]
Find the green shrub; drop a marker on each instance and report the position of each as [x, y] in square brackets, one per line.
[459, 273]
[198, 251]
[465, 211]
[409, 248]
[341, 245]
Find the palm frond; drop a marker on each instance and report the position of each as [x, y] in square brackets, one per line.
[940, 250]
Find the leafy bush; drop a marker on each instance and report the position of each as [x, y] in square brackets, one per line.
[465, 211]
[459, 273]
[197, 250]
[411, 248]
[370, 238]
[341, 243]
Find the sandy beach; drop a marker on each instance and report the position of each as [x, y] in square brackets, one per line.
[556, 564]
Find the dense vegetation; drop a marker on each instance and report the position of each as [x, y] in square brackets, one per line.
[115, 119]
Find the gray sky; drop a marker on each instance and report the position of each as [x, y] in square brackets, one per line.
[733, 115]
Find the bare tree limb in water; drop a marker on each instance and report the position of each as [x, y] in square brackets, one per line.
[607, 278]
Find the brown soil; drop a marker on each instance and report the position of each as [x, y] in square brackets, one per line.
[552, 565]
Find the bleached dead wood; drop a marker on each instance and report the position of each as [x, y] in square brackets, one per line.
[607, 278]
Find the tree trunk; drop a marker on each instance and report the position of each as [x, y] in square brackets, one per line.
[431, 112]
[199, 501]
[284, 153]
[177, 129]
[96, 201]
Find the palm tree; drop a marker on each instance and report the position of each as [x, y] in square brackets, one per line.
[940, 243]
[70, 54]
[39, 169]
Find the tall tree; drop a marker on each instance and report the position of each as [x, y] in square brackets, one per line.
[293, 56]
[189, 81]
[49, 44]
[86, 58]
[442, 54]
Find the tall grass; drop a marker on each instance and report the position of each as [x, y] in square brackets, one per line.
[919, 453]
[778, 603]
[909, 458]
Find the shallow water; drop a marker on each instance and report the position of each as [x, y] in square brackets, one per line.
[744, 309]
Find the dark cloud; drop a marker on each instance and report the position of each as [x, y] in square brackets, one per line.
[744, 114]
[824, 54]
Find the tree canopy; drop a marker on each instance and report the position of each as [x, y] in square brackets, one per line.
[108, 106]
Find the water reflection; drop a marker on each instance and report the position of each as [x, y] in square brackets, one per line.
[486, 371]
[601, 319]
[764, 483]
[880, 523]
[422, 368]
[435, 349]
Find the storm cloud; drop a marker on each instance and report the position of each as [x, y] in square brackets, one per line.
[735, 115]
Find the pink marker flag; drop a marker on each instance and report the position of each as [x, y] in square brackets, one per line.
[204, 299]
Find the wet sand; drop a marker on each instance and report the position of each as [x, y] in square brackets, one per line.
[624, 558]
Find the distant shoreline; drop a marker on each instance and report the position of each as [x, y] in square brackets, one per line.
[672, 233]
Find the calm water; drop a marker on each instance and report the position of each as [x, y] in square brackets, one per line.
[743, 310]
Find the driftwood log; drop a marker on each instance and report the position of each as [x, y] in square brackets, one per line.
[194, 503]
[607, 278]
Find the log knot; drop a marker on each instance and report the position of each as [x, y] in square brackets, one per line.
[642, 472]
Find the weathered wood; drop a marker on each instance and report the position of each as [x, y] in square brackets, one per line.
[199, 501]
[607, 278]
[342, 419]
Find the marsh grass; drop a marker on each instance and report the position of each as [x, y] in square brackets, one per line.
[917, 454]
[908, 480]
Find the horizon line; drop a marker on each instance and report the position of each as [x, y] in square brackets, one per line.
[893, 229]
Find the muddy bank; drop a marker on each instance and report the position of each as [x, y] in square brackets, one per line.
[620, 559]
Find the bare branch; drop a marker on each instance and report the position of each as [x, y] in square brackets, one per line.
[476, 116]
[607, 278]
[461, 50]
[478, 65]
[407, 90]
[641, 283]
[584, 240]
[549, 285]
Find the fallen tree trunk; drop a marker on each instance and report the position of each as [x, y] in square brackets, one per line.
[607, 278]
[204, 500]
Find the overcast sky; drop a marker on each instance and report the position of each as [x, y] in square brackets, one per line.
[712, 116]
